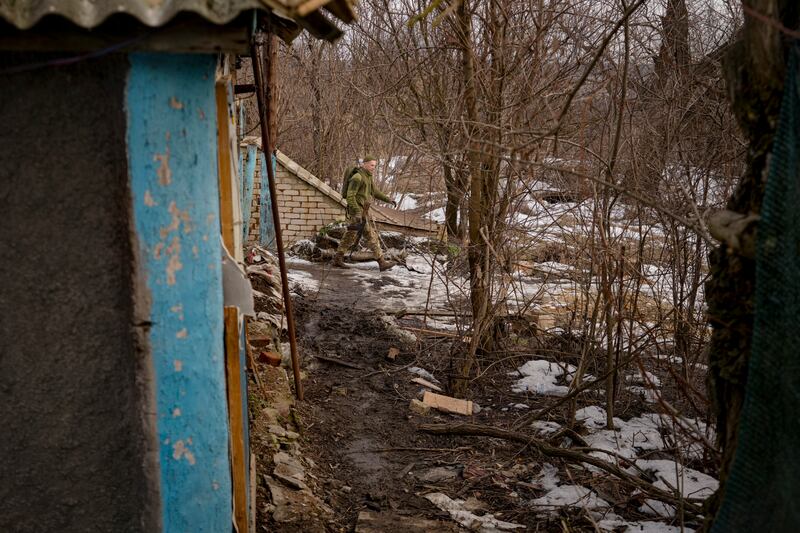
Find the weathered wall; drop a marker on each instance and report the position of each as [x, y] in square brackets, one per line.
[303, 209]
[75, 449]
[172, 151]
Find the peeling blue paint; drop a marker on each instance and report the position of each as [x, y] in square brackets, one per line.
[266, 224]
[172, 151]
[247, 193]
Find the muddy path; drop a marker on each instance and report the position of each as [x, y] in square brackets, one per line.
[357, 427]
[360, 447]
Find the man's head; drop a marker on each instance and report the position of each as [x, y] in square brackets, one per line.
[369, 163]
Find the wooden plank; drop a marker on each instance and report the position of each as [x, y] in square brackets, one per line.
[447, 403]
[226, 197]
[426, 383]
[253, 493]
[239, 468]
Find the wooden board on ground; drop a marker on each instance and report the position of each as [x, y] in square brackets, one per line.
[426, 383]
[447, 404]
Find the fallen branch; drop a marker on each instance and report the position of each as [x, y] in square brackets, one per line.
[410, 449]
[562, 453]
[339, 362]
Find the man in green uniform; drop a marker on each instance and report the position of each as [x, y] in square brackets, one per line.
[360, 192]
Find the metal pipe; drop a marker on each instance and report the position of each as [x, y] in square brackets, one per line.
[264, 97]
[244, 88]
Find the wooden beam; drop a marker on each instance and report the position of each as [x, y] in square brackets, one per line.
[227, 198]
[253, 492]
[233, 372]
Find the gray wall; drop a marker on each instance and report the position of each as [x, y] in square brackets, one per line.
[75, 444]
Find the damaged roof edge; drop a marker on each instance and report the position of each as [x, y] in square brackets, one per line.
[156, 13]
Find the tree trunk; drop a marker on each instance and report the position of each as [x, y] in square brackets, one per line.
[755, 70]
[454, 196]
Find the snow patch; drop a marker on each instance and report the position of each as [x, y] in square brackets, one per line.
[484, 524]
[671, 476]
[540, 376]
[544, 427]
[405, 201]
[569, 496]
[547, 478]
[437, 215]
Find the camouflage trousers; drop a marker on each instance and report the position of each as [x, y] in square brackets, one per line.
[369, 238]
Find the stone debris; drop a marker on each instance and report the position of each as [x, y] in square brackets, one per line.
[277, 430]
[295, 505]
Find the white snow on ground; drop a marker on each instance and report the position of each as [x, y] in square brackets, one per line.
[437, 215]
[647, 394]
[393, 290]
[552, 267]
[540, 376]
[484, 524]
[547, 478]
[628, 439]
[671, 476]
[405, 201]
[569, 496]
[544, 427]
[304, 279]
[644, 379]
[657, 508]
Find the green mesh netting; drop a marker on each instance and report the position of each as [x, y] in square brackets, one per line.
[761, 493]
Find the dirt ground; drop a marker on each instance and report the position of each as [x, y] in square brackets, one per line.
[366, 452]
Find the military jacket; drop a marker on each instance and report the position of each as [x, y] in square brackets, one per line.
[360, 192]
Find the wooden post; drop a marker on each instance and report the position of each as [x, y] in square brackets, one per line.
[239, 464]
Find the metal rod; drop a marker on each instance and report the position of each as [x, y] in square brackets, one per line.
[264, 97]
[244, 88]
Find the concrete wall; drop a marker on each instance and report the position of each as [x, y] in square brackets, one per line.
[112, 374]
[78, 439]
[303, 209]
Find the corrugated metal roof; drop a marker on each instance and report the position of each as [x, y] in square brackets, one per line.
[155, 13]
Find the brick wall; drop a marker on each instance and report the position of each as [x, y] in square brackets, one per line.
[255, 204]
[303, 209]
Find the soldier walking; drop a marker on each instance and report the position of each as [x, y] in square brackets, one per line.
[360, 190]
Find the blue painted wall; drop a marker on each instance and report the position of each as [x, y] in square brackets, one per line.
[266, 224]
[172, 152]
[247, 189]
